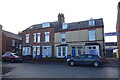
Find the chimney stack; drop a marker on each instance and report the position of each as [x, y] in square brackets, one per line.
[61, 18]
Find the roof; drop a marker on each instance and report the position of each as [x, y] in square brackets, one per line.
[71, 26]
[39, 26]
[11, 35]
[82, 24]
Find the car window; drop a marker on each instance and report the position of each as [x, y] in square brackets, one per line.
[89, 56]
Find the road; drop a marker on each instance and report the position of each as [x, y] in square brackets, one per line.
[56, 70]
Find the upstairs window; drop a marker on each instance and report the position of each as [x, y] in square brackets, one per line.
[27, 38]
[62, 37]
[38, 37]
[91, 35]
[91, 22]
[47, 24]
[13, 42]
[64, 26]
[35, 37]
[47, 36]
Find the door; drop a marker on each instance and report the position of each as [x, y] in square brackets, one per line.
[79, 51]
[88, 59]
[73, 52]
[34, 52]
[80, 60]
[38, 52]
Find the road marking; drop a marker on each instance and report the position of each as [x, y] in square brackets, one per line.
[6, 74]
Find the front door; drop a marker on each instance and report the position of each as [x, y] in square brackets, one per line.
[73, 52]
[34, 52]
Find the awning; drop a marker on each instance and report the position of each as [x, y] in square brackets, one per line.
[62, 45]
[86, 44]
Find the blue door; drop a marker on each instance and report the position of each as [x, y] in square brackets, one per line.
[73, 52]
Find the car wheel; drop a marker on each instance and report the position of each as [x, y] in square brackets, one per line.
[71, 63]
[96, 64]
[12, 60]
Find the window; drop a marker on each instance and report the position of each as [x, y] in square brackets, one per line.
[20, 46]
[63, 37]
[91, 35]
[47, 36]
[91, 22]
[13, 42]
[38, 37]
[47, 24]
[61, 51]
[27, 38]
[64, 26]
[35, 37]
[79, 50]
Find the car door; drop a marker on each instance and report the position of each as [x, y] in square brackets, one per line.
[80, 60]
[88, 59]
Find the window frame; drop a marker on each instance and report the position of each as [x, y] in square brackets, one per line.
[64, 26]
[63, 37]
[47, 36]
[38, 37]
[92, 35]
[46, 24]
[91, 22]
[27, 37]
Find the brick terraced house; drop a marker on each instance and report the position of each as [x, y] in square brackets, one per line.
[59, 39]
[38, 40]
[10, 42]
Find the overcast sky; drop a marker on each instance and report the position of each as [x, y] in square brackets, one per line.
[17, 15]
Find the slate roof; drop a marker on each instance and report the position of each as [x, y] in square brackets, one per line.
[81, 25]
[71, 26]
[11, 35]
[39, 26]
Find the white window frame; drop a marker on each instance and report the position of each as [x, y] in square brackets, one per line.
[20, 46]
[46, 54]
[47, 36]
[34, 37]
[91, 22]
[38, 37]
[61, 48]
[27, 36]
[26, 51]
[13, 42]
[92, 35]
[97, 49]
[64, 26]
[63, 35]
[46, 24]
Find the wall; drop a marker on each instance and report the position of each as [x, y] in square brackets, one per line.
[79, 35]
[42, 37]
[118, 29]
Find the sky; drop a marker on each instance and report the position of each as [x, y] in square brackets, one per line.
[17, 15]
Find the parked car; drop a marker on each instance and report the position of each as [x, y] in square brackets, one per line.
[86, 59]
[9, 56]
